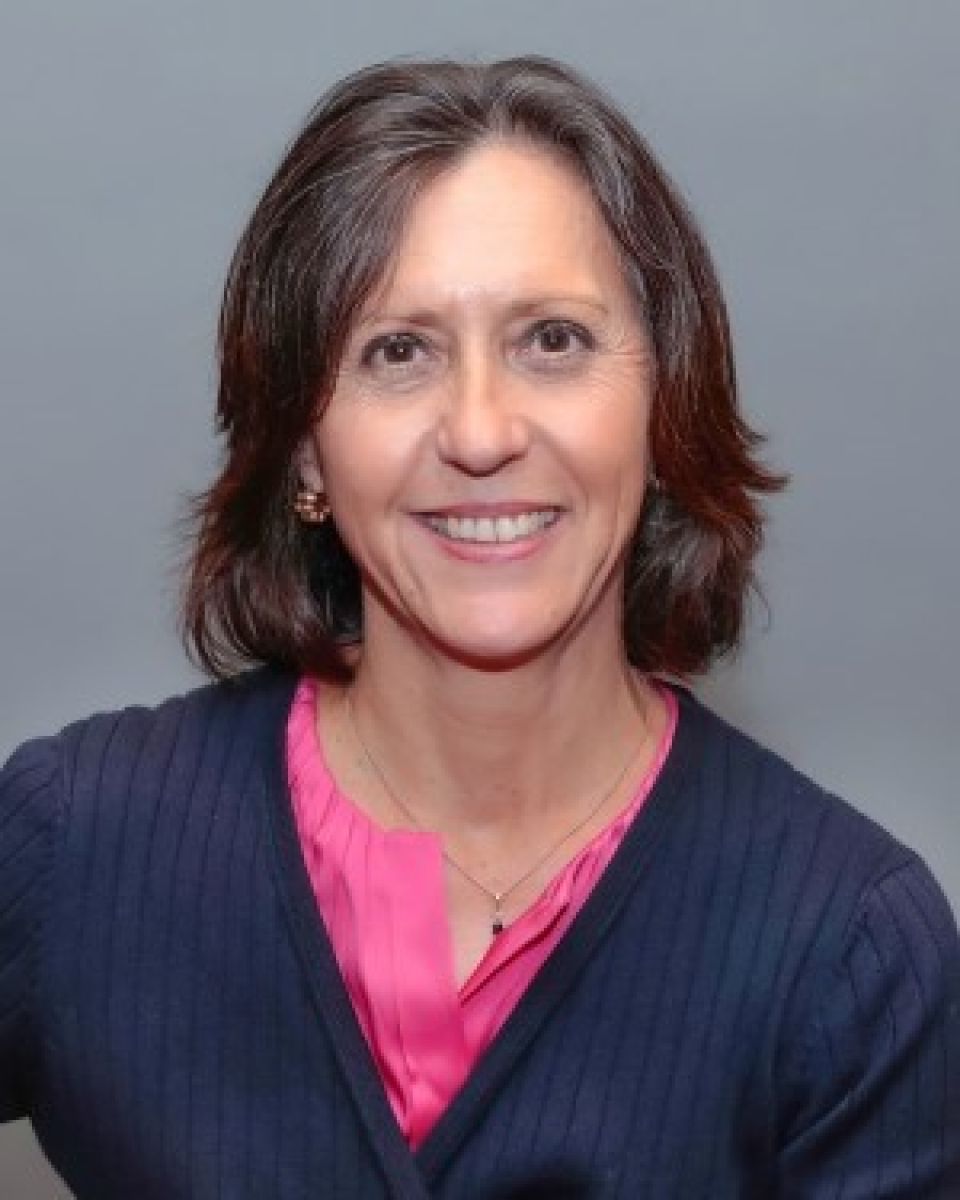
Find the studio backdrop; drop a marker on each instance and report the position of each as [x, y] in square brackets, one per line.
[818, 145]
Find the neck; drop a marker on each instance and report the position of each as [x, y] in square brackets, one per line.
[502, 752]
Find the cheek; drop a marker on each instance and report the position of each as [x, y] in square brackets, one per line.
[619, 470]
[365, 464]
[611, 446]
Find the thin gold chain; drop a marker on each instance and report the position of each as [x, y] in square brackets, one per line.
[497, 921]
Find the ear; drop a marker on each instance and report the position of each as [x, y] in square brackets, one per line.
[308, 465]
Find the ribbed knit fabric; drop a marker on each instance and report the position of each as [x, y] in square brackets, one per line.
[761, 997]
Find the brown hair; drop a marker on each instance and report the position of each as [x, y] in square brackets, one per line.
[263, 587]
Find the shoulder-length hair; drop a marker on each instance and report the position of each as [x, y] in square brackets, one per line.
[263, 587]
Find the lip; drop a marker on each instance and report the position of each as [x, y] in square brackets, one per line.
[491, 552]
[490, 508]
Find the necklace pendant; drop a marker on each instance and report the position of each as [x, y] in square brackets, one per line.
[496, 925]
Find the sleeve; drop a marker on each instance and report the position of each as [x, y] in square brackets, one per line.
[879, 1110]
[28, 818]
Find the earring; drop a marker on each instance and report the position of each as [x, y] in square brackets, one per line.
[655, 483]
[311, 507]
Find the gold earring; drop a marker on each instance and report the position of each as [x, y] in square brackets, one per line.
[311, 507]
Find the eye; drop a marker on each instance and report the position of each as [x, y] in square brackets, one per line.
[393, 350]
[560, 341]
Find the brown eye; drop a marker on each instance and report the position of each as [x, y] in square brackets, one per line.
[560, 339]
[392, 350]
[555, 338]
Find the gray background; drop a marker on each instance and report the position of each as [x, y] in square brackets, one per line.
[819, 145]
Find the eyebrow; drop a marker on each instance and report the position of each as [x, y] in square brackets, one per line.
[517, 308]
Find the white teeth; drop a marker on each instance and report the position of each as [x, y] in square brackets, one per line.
[492, 529]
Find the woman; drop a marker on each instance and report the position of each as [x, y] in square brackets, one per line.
[458, 895]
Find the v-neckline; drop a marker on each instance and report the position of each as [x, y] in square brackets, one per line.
[410, 1171]
[320, 801]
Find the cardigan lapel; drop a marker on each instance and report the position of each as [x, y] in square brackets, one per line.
[319, 964]
[565, 964]
[408, 1173]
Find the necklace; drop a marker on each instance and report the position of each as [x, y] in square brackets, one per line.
[497, 920]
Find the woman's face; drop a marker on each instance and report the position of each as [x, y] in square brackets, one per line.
[484, 449]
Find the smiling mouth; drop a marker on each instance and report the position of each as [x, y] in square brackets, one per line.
[492, 529]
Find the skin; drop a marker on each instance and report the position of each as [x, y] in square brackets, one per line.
[502, 361]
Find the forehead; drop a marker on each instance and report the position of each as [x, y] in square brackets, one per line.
[508, 219]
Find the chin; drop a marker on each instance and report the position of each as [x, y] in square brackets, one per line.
[494, 650]
[490, 662]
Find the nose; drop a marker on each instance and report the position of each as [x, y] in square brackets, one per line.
[481, 426]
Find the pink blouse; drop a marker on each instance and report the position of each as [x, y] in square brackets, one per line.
[382, 898]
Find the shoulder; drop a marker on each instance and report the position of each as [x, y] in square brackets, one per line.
[850, 950]
[816, 880]
[117, 740]
[90, 770]
[95, 775]
[77, 810]
[787, 816]
[854, 924]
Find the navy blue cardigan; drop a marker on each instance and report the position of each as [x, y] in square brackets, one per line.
[761, 997]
